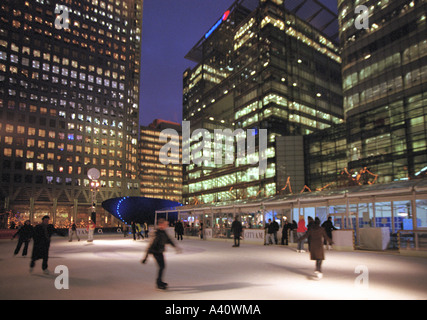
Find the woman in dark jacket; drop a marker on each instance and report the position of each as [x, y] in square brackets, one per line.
[315, 236]
[25, 234]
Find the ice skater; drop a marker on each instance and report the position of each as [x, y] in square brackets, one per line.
[42, 234]
[329, 227]
[73, 231]
[301, 230]
[25, 234]
[157, 247]
[90, 230]
[316, 235]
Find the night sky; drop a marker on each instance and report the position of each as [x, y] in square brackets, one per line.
[170, 29]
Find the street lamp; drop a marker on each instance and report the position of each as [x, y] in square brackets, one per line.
[93, 174]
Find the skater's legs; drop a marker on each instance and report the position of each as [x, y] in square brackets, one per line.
[319, 265]
[18, 246]
[161, 263]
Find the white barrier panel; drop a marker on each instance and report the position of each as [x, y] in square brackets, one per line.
[374, 238]
[343, 240]
[207, 233]
[253, 235]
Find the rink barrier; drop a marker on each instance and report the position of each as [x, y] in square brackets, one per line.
[413, 245]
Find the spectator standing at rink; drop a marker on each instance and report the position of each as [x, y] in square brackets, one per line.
[285, 232]
[316, 235]
[236, 228]
[25, 234]
[179, 229]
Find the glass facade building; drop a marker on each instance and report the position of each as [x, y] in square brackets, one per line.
[259, 67]
[385, 85]
[69, 101]
[158, 180]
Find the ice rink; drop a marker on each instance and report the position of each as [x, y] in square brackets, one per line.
[110, 268]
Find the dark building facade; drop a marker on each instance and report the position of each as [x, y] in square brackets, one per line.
[384, 86]
[69, 74]
[260, 67]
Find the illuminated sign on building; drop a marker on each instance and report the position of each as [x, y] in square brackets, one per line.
[224, 17]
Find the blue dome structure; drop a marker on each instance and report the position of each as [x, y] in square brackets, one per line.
[137, 209]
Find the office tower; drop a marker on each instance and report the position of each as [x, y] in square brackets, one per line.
[384, 65]
[260, 67]
[69, 73]
[158, 180]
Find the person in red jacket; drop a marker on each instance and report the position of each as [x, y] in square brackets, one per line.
[301, 230]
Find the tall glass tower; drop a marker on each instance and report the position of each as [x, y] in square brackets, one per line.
[260, 66]
[384, 52]
[69, 74]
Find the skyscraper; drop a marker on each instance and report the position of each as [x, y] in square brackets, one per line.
[69, 73]
[162, 181]
[384, 52]
[260, 67]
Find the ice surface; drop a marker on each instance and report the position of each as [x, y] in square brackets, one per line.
[110, 268]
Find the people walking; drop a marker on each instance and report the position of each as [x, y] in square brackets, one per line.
[41, 236]
[301, 230]
[25, 234]
[316, 235]
[157, 247]
[329, 227]
[179, 229]
[73, 231]
[236, 229]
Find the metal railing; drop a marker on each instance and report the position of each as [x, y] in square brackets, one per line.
[412, 239]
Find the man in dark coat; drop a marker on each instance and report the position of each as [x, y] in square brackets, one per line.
[157, 247]
[285, 232]
[236, 229]
[179, 229]
[42, 235]
[329, 227]
[25, 234]
[315, 236]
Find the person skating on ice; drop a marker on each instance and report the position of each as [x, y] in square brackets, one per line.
[316, 236]
[157, 248]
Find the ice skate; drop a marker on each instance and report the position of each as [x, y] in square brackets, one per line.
[161, 286]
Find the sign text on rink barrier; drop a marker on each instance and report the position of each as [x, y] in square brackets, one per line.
[256, 235]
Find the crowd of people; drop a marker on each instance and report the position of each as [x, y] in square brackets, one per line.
[318, 236]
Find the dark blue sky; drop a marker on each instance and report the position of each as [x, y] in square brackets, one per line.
[170, 29]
